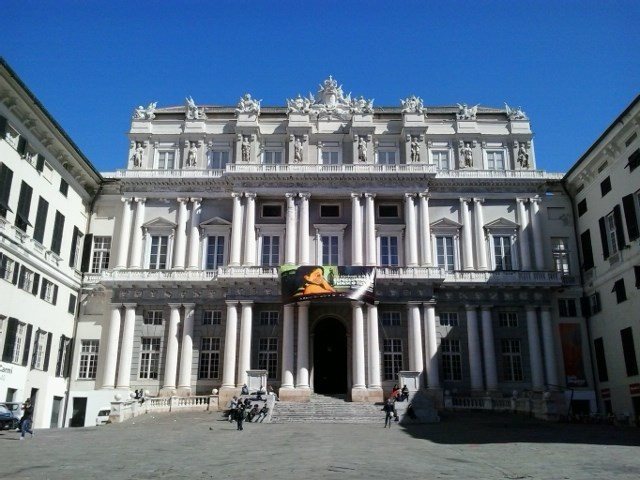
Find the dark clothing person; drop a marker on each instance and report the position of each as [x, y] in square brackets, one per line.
[26, 421]
[388, 410]
[245, 390]
[253, 412]
[263, 414]
[240, 417]
[404, 394]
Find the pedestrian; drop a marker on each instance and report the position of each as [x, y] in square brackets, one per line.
[245, 390]
[271, 391]
[262, 414]
[27, 419]
[240, 416]
[388, 411]
[404, 393]
[233, 403]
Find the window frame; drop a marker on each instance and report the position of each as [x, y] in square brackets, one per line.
[149, 361]
[270, 231]
[392, 358]
[493, 150]
[90, 357]
[391, 318]
[512, 367]
[330, 147]
[268, 356]
[215, 150]
[100, 253]
[209, 358]
[449, 319]
[165, 149]
[451, 359]
[215, 314]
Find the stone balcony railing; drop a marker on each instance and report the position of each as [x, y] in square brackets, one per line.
[128, 275]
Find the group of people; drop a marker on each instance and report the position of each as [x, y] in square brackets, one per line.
[397, 395]
[139, 395]
[241, 410]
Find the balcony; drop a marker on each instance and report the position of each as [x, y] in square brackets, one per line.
[180, 276]
[504, 278]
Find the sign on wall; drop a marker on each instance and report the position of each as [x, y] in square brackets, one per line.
[571, 340]
[328, 282]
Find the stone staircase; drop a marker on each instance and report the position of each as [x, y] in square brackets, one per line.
[327, 409]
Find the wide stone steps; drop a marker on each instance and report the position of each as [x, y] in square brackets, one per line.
[321, 409]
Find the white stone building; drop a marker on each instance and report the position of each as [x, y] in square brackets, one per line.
[605, 188]
[46, 189]
[473, 247]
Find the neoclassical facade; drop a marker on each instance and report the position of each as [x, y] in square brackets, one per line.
[472, 246]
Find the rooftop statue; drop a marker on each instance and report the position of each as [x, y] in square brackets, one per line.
[515, 113]
[300, 104]
[361, 105]
[248, 105]
[412, 104]
[466, 113]
[330, 101]
[193, 111]
[148, 113]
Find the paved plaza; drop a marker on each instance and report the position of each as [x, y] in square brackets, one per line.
[201, 446]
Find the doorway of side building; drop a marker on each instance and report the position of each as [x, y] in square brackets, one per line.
[79, 412]
[330, 357]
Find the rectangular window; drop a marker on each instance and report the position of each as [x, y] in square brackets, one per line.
[387, 157]
[620, 290]
[6, 177]
[19, 343]
[560, 252]
[49, 291]
[329, 211]
[40, 347]
[629, 352]
[271, 210]
[29, 281]
[268, 356]
[441, 159]
[88, 359]
[502, 252]
[582, 207]
[153, 317]
[451, 359]
[391, 358]
[634, 160]
[149, 357]
[330, 157]
[64, 187]
[166, 159]
[212, 317]
[511, 360]
[272, 157]
[58, 230]
[270, 251]
[605, 186]
[630, 140]
[158, 255]
[41, 220]
[602, 167]
[495, 160]
[329, 249]
[444, 251]
[567, 307]
[8, 268]
[508, 319]
[390, 319]
[269, 318]
[631, 206]
[601, 360]
[64, 350]
[388, 211]
[101, 254]
[24, 206]
[71, 308]
[449, 319]
[209, 365]
[76, 245]
[587, 251]
[218, 159]
[389, 252]
[215, 252]
[594, 303]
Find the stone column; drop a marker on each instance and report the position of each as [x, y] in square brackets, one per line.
[356, 230]
[425, 230]
[230, 339]
[358, 388]
[194, 235]
[290, 247]
[467, 235]
[250, 231]
[549, 349]
[374, 350]
[111, 354]
[125, 234]
[236, 230]
[488, 347]
[416, 362]
[303, 346]
[180, 246]
[481, 245]
[370, 230]
[136, 248]
[304, 228]
[171, 358]
[126, 350]
[475, 359]
[287, 348]
[411, 231]
[535, 355]
[525, 254]
[186, 352]
[431, 344]
[244, 356]
[536, 228]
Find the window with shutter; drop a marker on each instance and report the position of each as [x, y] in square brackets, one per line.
[41, 220]
[634, 160]
[631, 216]
[6, 177]
[601, 360]
[10, 340]
[629, 351]
[587, 252]
[24, 206]
[620, 291]
[58, 229]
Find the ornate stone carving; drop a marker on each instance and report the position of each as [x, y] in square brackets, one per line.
[362, 148]
[515, 113]
[148, 113]
[523, 155]
[299, 104]
[466, 155]
[466, 113]
[330, 101]
[192, 154]
[361, 106]
[193, 111]
[297, 150]
[248, 105]
[412, 104]
[415, 149]
[137, 154]
[246, 148]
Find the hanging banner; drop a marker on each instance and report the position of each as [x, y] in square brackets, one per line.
[571, 341]
[329, 282]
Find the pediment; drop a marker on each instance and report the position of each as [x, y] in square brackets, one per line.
[446, 223]
[215, 221]
[501, 223]
[159, 222]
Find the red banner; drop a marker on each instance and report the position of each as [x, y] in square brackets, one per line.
[571, 340]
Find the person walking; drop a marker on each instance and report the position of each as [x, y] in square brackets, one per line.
[233, 403]
[388, 410]
[27, 419]
[263, 414]
[240, 416]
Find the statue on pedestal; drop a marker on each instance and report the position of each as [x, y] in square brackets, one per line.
[192, 155]
[193, 111]
[466, 113]
[137, 155]
[246, 148]
[297, 150]
[299, 104]
[362, 149]
[523, 155]
[415, 149]
[515, 113]
[248, 105]
[466, 155]
[412, 104]
[148, 113]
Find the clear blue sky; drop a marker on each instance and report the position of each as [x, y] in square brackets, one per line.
[572, 65]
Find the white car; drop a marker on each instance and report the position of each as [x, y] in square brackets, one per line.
[103, 417]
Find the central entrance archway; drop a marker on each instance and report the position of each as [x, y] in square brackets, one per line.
[330, 357]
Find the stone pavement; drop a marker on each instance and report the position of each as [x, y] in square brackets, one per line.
[201, 446]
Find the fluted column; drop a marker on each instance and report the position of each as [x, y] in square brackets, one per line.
[287, 348]
[536, 227]
[126, 350]
[180, 245]
[111, 354]
[488, 347]
[125, 234]
[236, 230]
[425, 230]
[186, 352]
[416, 362]
[356, 230]
[171, 358]
[431, 346]
[304, 228]
[481, 246]
[523, 218]
[230, 340]
[244, 356]
[250, 231]
[467, 235]
[549, 349]
[303, 345]
[135, 261]
[194, 235]
[411, 231]
[291, 218]
[475, 359]
[357, 349]
[374, 347]
[535, 355]
[370, 230]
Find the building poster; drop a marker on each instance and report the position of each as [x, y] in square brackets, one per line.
[328, 282]
[571, 340]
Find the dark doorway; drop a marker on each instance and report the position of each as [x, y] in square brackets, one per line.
[79, 412]
[330, 357]
[56, 406]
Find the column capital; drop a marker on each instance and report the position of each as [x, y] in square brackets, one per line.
[196, 200]
[182, 200]
[174, 305]
[465, 199]
[486, 307]
[369, 195]
[304, 195]
[290, 195]
[535, 199]
[356, 303]
[251, 195]
[478, 200]
[426, 195]
[116, 305]
[231, 303]
[355, 195]
[304, 304]
[189, 305]
[530, 308]
[521, 199]
[126, 199]
[409, 195]
[414, 303]
[374, 304]
[129, 305]
[429, 304]
[246, 302]
[470, 307]
[140, 199]
[236, 195]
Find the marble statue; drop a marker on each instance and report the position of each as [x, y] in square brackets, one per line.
[415, 149]
[193, 111]
[148, 113]
[523, 155]
[362, 148]
[297, 150]
[246, 148]
[412, 104]
[361, 106]
[192, 155]
[467, 155]
[248, 105]
[515, 113]
[466, 113]
[137, 155]
[331, 102]
[299, 104]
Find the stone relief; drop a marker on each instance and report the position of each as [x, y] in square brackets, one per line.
[362, 148]
[415, 149]
[137, 154]
[523, 155]
[299, 104]
[193, 111]
[246, 148]
[466, 155]
[330, 101]
[466, 113]
[412, 104]
[361, 106]
[192, 155]
[515, 113]
[148, 113]
[297, 150]
[248, 105]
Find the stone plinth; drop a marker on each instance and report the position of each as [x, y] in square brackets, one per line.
[519, 126]
[226, 394]
[359, 395]
[413, 120]
[194, 126]
[257, 381]
[466, 126]
[409, 378]
[247, 120]
[375, 395]
[300, 395]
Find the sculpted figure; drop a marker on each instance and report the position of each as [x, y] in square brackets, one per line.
[192, 155]
[362, 148]
[467, 155]
[466, 113]
[248, 105]
[142, 113]
[412, 104]
[415, 149]
[193, 111]
[137, 155]
[523, 156]
[297, 150]
[246, 148]
[299, 104]
[515, 113]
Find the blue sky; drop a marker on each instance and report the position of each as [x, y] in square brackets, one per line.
[573, 66]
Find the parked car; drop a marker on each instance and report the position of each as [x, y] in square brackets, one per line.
[103, 417]
[6, 418]
[15, 408]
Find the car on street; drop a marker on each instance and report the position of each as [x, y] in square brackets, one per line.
[103, 417]
[7, 419]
